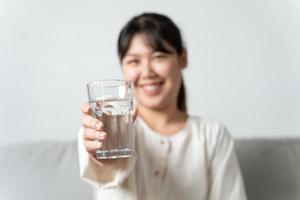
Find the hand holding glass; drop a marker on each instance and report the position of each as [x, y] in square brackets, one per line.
[112, 102]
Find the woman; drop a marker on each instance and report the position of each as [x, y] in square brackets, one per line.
[177, 156]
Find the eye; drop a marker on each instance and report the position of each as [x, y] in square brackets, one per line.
[159, 56]
[133, 62]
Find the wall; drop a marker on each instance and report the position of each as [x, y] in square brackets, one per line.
[244, 63]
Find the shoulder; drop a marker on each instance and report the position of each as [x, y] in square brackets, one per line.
[207, 125]
[209, 129]
[214, 135]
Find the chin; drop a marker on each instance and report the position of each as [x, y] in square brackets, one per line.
[155, 105]
[154, 102]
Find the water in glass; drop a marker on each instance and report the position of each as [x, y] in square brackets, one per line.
[116, 118]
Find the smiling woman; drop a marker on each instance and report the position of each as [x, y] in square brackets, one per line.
[156, 74]
[154, 43]
[177, 156]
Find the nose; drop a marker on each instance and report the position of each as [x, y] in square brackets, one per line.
[147, 69]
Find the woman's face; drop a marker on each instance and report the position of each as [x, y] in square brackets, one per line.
[156, 75]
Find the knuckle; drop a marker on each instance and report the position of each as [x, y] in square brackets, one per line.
[96, 135]
[90, 134]
[86, 146]
[86, 133]
[84, 107]
[84, 119]
[91, 146]
[92, 121]
[89, 121]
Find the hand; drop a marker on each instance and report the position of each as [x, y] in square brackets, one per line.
[93, 134]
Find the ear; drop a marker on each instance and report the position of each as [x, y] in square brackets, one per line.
[183, 60]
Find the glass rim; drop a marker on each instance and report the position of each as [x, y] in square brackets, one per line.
[108, 80]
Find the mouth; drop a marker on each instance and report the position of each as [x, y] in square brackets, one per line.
[152, 88]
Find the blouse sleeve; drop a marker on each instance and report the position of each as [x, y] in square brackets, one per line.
[226, 179]
[109, 175]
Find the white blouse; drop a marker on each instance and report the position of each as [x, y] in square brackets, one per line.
[198, 162]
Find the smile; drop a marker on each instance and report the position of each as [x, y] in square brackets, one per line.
[152, 89]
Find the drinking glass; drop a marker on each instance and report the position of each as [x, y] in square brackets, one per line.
[112, 102]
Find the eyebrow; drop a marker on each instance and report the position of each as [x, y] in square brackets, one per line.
[136, 55]
[131, 54]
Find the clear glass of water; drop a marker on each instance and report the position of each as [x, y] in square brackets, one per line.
[112, 102]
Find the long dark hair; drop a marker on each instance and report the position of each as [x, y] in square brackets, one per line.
[158, 28]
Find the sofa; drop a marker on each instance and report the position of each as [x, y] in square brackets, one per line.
[48, 170]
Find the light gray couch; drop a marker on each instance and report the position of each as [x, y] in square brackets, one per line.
[49, 170]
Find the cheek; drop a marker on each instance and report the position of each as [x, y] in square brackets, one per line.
[165, 70]
[130, 74]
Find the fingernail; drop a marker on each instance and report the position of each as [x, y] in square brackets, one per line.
[98, 145]
[101, 136]
[98, 126]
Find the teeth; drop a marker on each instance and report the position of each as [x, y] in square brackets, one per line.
[150, 87]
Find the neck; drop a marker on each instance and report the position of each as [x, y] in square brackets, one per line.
[166, 121]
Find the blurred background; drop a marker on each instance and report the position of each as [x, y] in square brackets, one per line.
[244, 62]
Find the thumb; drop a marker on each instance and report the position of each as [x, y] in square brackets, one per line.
[86, 108]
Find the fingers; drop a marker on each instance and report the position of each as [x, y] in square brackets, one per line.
[91, 122]
[91, 134]
[93, 140]
[134, 113]
[86, 108]
[92, 146]
[88, 120]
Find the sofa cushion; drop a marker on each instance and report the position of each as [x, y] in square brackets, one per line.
[271, 168]
[41, 171]
[49, 170]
